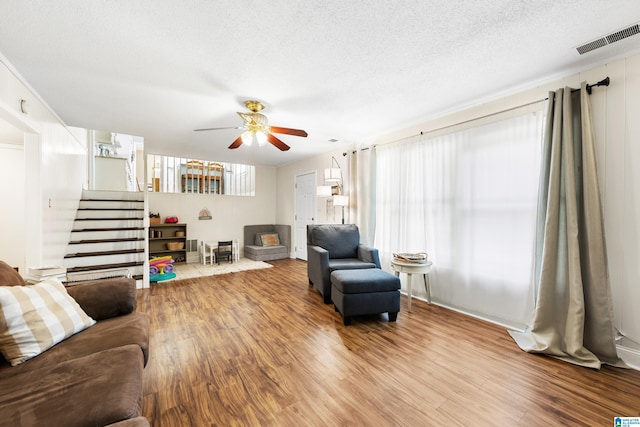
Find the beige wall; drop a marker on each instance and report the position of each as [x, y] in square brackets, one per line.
[229, 213]
[286, 207]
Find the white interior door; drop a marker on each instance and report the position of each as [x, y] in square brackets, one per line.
[305, 210]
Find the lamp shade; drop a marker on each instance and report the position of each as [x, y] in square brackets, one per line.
[340, 200]
[324, 191]
[332, 175]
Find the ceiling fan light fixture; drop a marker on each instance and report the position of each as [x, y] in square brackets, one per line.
[261, 137]
[253, 105]
[257, 129]
[247, 137]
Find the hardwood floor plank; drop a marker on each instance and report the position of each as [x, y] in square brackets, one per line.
[260, 348]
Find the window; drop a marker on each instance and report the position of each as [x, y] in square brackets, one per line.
[168, 174]
[469, 199]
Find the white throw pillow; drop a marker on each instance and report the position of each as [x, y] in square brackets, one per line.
[35, 318]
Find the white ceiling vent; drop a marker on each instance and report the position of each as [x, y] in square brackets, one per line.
[608, 39]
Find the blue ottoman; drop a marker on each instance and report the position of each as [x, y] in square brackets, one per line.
[365, 291]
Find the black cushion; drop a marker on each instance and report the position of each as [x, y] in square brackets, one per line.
[364, 281]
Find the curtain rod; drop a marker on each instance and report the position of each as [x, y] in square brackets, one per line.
[603, 82]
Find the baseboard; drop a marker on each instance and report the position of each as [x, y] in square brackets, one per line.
[629, 352]
[483, 317]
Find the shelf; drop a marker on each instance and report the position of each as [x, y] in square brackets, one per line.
[167, 251]
[157, 245]
[153, 239]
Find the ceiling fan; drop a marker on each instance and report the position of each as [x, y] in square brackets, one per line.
[258, 129]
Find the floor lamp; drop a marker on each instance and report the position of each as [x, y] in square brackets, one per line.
[334, 189]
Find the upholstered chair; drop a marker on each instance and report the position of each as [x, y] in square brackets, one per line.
[333, 247]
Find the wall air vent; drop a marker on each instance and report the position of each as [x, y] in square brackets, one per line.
[588, 47]
[192, 245]
[608, 39]
[623, 34]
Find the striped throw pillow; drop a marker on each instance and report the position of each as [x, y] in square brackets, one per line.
[35, 318]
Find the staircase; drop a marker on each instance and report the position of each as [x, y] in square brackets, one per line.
[108, 238]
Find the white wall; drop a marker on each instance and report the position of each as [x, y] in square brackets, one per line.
[230, 213]
[63, 173]
[12, 207]
[55, 171]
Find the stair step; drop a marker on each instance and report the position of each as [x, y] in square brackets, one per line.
[111, 200]
[84, 276]
[104, 266]
[112, 195]
[124, 239]
[110, 209]
[79, 230]
[109, 219]
[111, 227]
[135, 277]
[116, 252]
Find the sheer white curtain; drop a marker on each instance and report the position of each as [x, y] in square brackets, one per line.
[467, 198]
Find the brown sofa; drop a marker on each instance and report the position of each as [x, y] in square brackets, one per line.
[93, 378]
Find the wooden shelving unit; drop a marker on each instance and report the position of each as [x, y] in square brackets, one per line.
[161, 234]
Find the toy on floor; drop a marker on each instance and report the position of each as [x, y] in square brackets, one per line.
[161, 269]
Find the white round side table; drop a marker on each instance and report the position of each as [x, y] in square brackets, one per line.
[410, 269]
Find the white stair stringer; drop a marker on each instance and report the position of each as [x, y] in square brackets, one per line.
[108, 237]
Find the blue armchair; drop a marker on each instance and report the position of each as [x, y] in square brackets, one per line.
[333, 247]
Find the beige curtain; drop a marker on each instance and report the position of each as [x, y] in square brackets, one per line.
[363, 197]
[573, 320]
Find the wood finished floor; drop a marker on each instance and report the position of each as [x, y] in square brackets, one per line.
[260, 348]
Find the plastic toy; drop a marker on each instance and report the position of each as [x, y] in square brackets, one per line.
[161, 269]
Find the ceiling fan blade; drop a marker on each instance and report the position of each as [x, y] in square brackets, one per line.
[232, 127]
[288, 131]
[276, 142]
[237, 143]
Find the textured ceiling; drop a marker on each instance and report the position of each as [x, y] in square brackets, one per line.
[349, 70]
